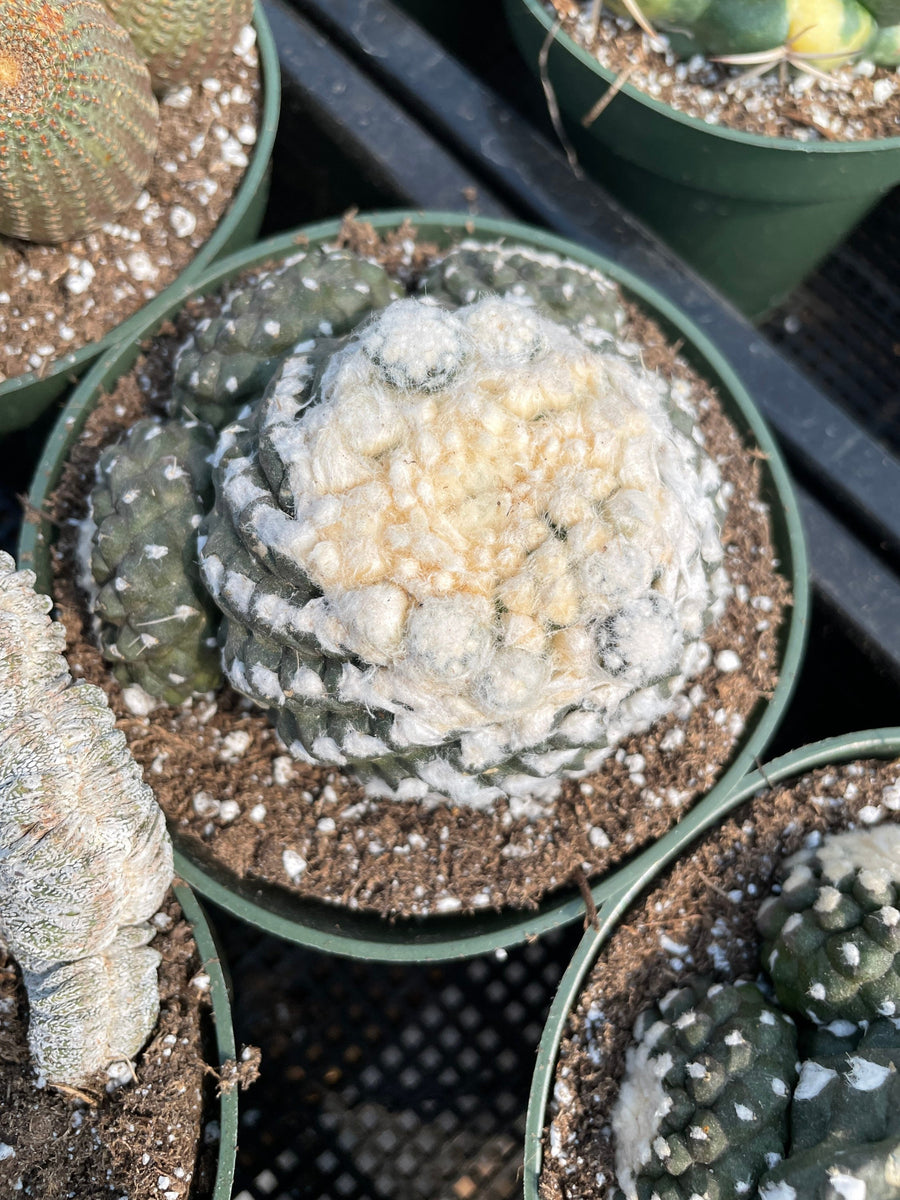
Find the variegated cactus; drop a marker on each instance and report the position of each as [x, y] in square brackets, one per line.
[78, 120]
[462, 553]
[810, 34]
[182, 41]
[85, 859]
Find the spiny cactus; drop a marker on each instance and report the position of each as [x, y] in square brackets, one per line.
[84, 855]
[157, 624]
[831, 938]
[461, 551]
[845, 1124]
[811, 34]
[231, 357]
[182, 41]
[78, 120]
[703, 1107]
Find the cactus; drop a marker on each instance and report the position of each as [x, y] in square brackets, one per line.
[78, 120]
[182, 41]
[845, 1124]
[564, 291]
[831, 938]
[84, 855]
[231, 357]
[703, 1107]
[814, 35]
[157, 625]
[461, 553]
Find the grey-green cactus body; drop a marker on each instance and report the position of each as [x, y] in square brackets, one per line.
[231, 357]
[831, 938]
[703, 1107]
[157, 625]
[85, 859]
[845, 1124]
[358, 547]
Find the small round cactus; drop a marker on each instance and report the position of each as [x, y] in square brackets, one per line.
[461, 551]
[182, 41]
[78, 120]
[831, 938]
[231, 357]
[85, 859]
[703, 1107]
[157, 624]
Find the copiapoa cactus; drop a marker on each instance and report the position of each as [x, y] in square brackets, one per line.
[703, 1107]
[84, 855]
[459, 552]
[831, 938]
[78, 121]
[181, 41]
[815, 35]
[462, 551]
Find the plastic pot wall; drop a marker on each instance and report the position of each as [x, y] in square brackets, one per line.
[878, 743]
[441, 937]
[211, 960]
[24, 397]
[752, 214]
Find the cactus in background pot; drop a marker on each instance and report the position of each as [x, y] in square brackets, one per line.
[78, 120]
[84, 856]
[181, 41]
[703, 1108]
[819, 35]
[831, 938]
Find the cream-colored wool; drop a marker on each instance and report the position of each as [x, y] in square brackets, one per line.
[493, 525]
[85, 859]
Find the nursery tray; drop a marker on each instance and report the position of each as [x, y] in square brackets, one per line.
[401, 1082]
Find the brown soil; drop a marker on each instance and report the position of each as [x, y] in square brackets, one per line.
[57, 1143]
[859, 102]
[699, 919]
[56, 299]
[228, 787]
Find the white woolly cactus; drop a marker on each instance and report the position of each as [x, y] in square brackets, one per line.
[85, 859]
[463, 551]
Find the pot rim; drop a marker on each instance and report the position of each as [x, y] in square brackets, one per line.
[740, 137]
[440, 937]
[211, 962]
[875, 743]
[254, 176]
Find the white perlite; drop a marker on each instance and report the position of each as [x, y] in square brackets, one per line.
[497, 532]
[85, 859]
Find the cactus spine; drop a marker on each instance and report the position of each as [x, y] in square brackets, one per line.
[78, 120]
[85, 859]
[182, 41]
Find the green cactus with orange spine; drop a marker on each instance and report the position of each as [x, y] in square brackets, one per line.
[78, 120]
[182, 41]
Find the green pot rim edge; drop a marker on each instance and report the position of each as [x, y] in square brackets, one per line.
[876, 743]
[870, 145]
[211, 248]
[447, 937]
[210, 957]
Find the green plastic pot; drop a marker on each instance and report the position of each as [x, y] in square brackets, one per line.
[25, 397]
[223, 1031]
[754, 215]
[878, 743]
[440, 937]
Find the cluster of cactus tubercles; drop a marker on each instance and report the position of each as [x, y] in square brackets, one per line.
[831, 944]
[85, 859]
[78, 116]
[810, 34]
